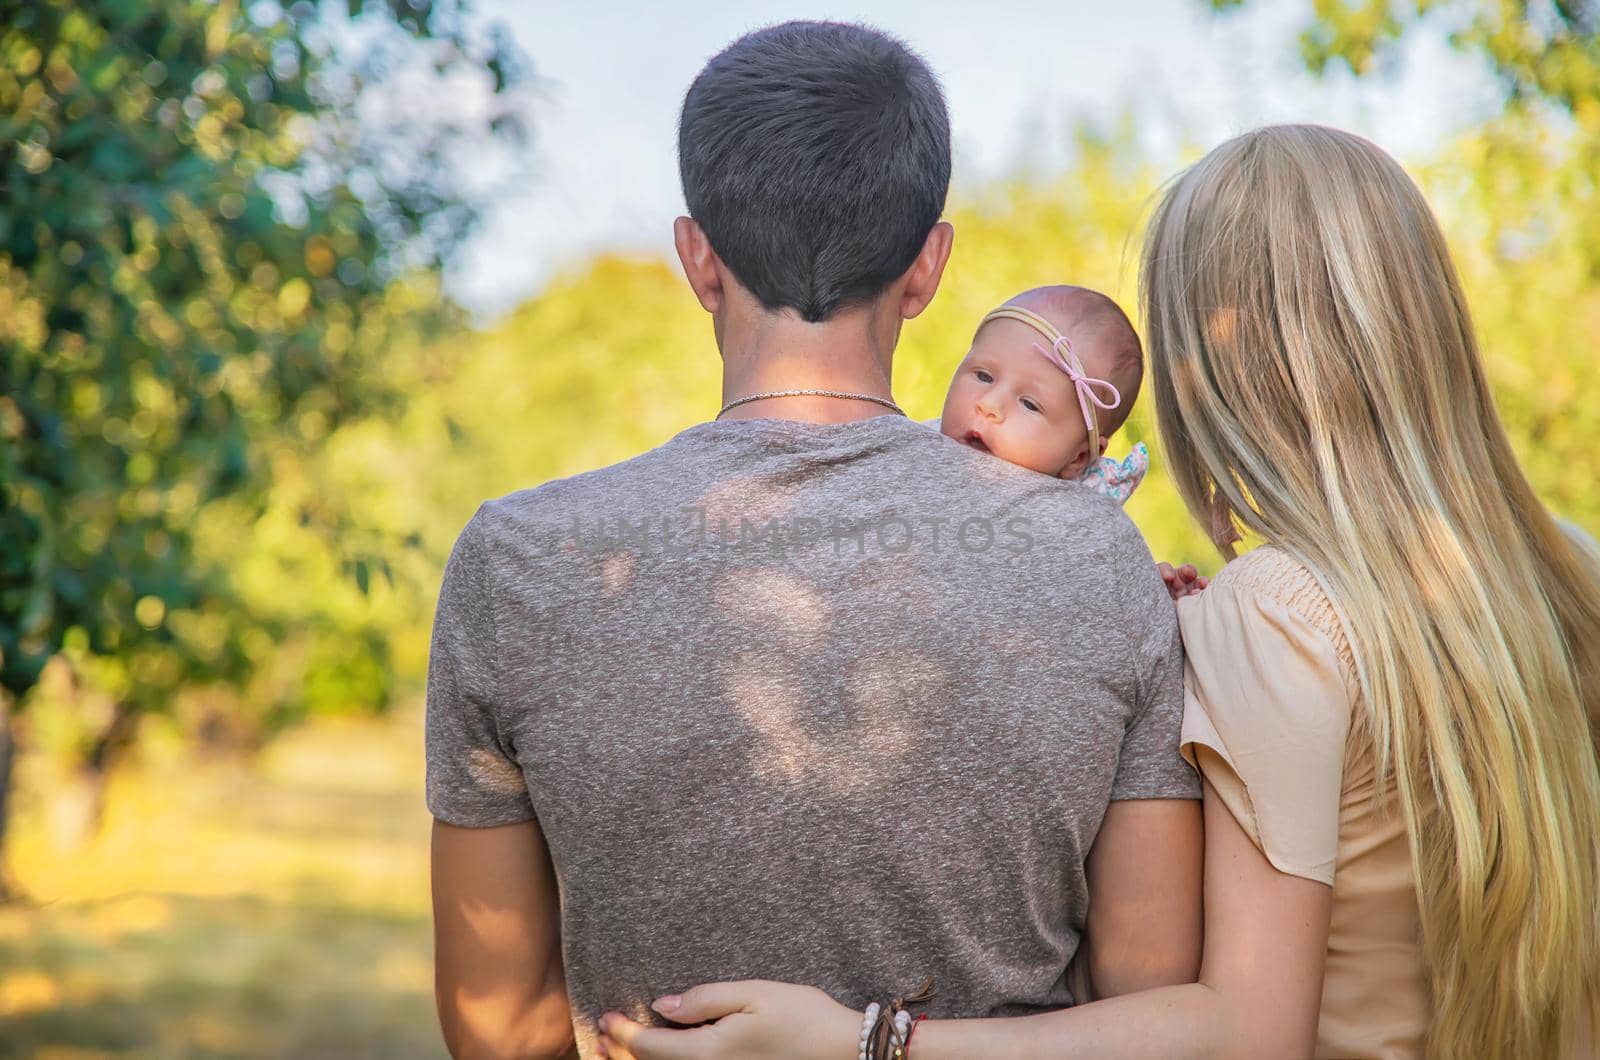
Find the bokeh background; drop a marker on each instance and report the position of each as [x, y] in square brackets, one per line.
[287, 289]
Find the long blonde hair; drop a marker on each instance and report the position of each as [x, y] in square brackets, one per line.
[1318, 382]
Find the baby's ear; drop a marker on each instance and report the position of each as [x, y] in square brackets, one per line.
[1078, 464]
[1105, 443]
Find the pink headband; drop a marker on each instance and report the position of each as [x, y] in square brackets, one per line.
[1060, 354]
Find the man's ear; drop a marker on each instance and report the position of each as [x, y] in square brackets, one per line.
[922, 279]
[701, 266]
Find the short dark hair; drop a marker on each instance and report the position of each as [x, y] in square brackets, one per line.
[816, 157]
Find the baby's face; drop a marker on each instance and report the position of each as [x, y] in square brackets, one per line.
[1007, 399]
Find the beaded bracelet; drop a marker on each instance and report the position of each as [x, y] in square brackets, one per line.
[886, 1044]
[886, 1029]
[868, 1020]
[902, 1038]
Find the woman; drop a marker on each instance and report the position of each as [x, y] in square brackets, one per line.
[1392, 702]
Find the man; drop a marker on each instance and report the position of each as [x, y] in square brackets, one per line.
[810, 692]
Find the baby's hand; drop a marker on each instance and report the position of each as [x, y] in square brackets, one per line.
[1182, 581]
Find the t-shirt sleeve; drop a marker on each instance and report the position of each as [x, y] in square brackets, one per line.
[1149, 765]
[1266, 715]
[473, 779]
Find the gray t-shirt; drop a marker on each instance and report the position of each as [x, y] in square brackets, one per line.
[834, 704]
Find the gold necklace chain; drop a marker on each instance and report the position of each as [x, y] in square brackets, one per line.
[811, 392]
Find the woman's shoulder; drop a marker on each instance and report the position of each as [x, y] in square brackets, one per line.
[1269, 696]
[1273, 580]
[1273, 572]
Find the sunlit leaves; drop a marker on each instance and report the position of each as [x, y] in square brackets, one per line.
[1542, 51]
[200, 275]
[1520, 199]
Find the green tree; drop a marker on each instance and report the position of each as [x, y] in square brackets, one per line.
[1542, 52]
[204, 256]
[1545, 55]
[1520, 201]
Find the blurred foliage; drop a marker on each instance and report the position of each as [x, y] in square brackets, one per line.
[1520, 204]
[1520, 200]
[1546, 50]
[211, 240]
[276, 907]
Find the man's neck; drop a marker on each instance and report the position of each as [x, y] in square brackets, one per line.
[850, 353]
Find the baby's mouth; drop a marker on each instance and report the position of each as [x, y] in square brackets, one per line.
[975, 440]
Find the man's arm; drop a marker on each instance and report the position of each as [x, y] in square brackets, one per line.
[498, 979]
[1145, 917]
[1144, 869]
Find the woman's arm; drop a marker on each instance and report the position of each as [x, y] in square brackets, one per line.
[1260, 985]
[1260, 989]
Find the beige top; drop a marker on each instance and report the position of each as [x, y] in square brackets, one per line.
[1271, 694]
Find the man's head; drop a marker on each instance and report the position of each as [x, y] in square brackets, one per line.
[1009, 399]
[815, 157]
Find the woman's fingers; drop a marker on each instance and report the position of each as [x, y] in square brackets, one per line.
[708, 1001]
[611, 1049]
[626, 1040]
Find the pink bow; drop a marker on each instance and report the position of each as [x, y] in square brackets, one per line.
[1060, 354]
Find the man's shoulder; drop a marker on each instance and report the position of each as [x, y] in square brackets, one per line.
[558, 498]
[1085, 558]
[690, 462]
[1086, 526]
[542, 519]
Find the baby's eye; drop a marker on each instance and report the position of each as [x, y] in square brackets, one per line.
[1031, 405]
[983, 376]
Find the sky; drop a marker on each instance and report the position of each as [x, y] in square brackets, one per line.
[610, 77]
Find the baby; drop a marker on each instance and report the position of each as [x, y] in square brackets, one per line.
[1051, 376]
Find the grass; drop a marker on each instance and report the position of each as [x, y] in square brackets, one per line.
[272, 910]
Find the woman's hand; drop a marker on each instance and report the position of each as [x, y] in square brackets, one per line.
[1182, 581]
[752, 1018]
